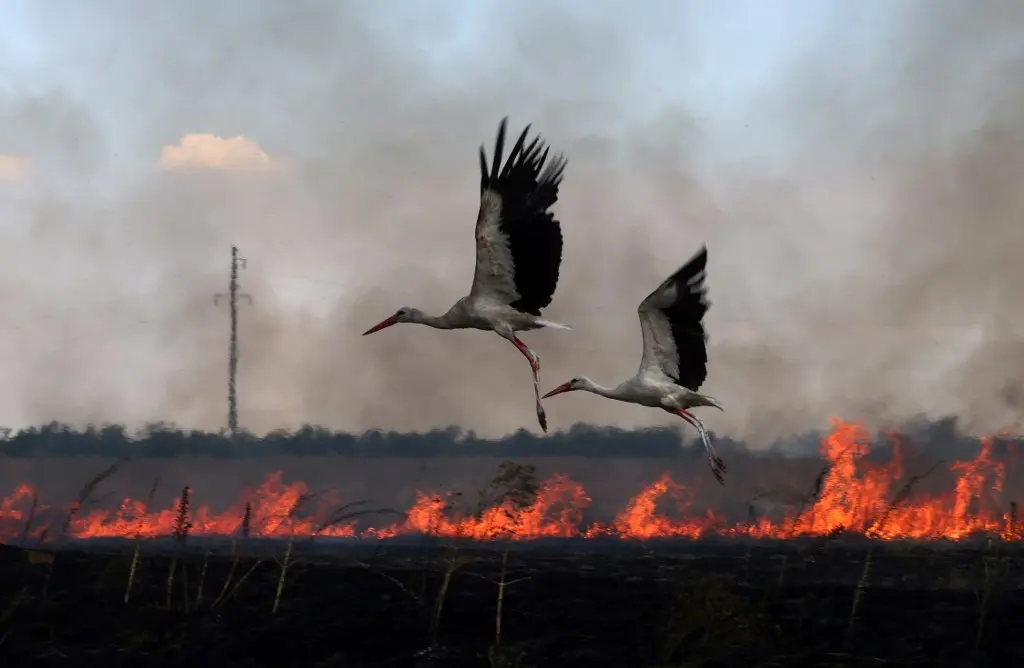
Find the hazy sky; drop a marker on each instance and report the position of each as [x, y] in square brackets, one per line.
[842, 161]
[710, 57]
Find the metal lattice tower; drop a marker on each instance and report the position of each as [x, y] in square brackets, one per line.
[233, 296]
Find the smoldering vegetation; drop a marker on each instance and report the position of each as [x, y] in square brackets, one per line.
[390, 469]
[861, 206]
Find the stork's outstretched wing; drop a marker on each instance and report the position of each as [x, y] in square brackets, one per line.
[518, 240]
[671, 319]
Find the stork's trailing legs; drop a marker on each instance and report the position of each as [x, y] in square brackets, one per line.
[532, 358]
[718, 467]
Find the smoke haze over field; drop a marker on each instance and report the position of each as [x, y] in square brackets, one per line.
[854, 172]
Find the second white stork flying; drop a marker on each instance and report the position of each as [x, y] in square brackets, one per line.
[674, 362]
[518, 251]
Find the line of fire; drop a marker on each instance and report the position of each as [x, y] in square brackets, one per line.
[852, 495]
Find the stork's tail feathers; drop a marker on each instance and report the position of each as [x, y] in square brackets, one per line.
[553, 325]
[711, 401]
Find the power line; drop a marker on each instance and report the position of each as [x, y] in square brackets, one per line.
[233, 295]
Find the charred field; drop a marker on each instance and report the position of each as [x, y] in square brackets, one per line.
[571, 602]
[850, 559]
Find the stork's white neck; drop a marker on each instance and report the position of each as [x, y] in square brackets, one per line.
[435, 321]
[595, 388]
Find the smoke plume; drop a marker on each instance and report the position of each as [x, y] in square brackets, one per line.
[864, 247]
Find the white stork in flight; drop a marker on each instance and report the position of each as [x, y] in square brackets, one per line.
[518, 251]
[674, 362]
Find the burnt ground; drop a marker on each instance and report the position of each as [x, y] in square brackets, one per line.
[725, 604]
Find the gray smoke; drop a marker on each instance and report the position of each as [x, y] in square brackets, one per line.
[871, 272]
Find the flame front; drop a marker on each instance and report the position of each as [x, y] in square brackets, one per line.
[854, 496]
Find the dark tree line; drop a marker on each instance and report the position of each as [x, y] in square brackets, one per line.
[161, 440]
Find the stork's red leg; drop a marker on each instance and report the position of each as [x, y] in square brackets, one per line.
[718, 467]
[531, 357]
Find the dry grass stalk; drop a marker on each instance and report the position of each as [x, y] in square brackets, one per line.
[901, 496]
[245, 576]
[989, 562]
[245, 531]
[452, 563]
[345, 513]
[811, 498]
[875, 530]
[138, 540]
[791, 498]
[858, 595]
[1011, 523]
[202, 578]
[370, 566]
[247, 521]
[502, 584]
[395, 581]
[301, 501]
[31, 515]
[768, 591]
[49, 571]
[281, 578]
[339, 515]
[86, 492]
[514, 489]
[83, 497]
[231, 572]
[180, 535]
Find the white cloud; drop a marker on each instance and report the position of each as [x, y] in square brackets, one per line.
[199, 151]
[14, 168]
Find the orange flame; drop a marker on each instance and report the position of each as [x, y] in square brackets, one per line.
[854, 496]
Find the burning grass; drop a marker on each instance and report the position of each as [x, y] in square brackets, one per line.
[853, 494]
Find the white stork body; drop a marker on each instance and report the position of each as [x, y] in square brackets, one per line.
[674, 361]
[518, 252]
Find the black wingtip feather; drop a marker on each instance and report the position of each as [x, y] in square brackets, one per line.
[528, 186]
[686, 318]
[483, 168]
[514, 154]
[499, 147]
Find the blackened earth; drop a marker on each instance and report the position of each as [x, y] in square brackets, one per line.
[688, 604]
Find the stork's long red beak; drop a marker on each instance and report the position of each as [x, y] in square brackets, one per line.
[564, 387]
[383, 324]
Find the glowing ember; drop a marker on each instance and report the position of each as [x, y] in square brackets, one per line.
[854, 496]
